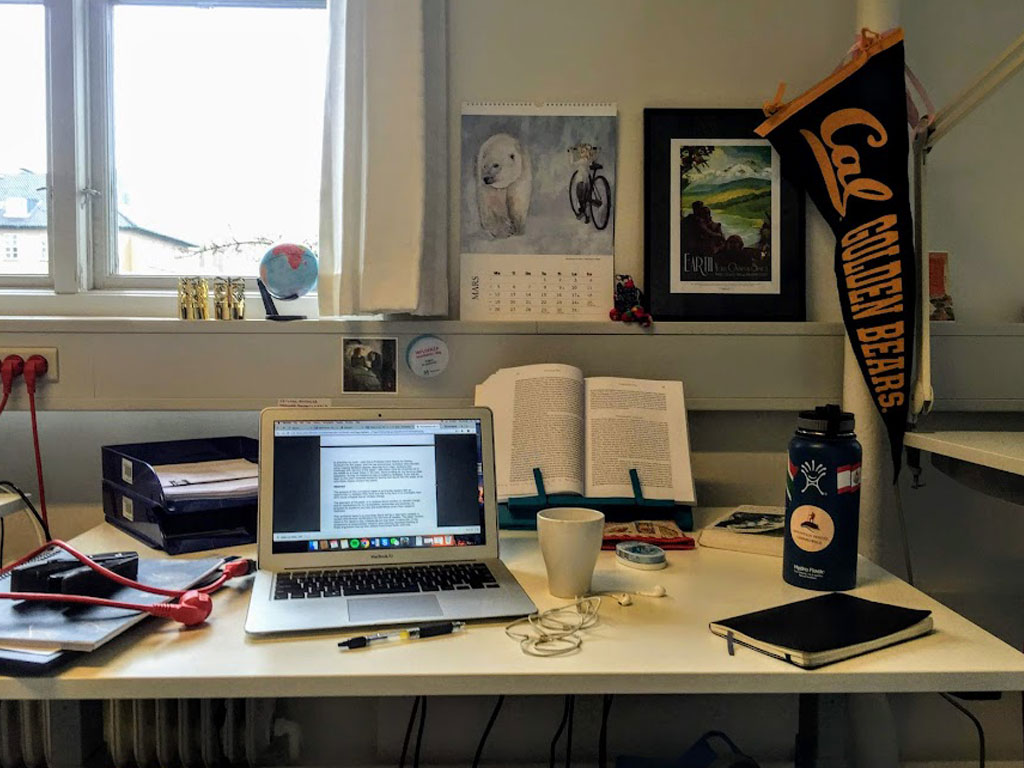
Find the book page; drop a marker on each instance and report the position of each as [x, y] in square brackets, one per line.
[641, 425]
[538, 422]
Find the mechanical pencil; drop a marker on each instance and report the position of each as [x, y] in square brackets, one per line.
[412, 633]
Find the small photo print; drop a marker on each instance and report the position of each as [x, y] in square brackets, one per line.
[765, 524]
[368, 365]
[725, 236]
[538, 184]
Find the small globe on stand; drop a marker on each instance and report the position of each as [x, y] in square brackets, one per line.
[287, 271]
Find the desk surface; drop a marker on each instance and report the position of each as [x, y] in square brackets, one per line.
[653, 646]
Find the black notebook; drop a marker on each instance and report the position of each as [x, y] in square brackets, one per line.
[822, 630]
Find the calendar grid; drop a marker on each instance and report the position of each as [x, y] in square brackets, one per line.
[496, 287]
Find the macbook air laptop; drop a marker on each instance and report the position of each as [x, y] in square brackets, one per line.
[382, 516]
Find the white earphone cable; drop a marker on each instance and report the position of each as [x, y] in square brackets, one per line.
[558, 631]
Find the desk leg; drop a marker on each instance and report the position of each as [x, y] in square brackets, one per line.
[823, 735]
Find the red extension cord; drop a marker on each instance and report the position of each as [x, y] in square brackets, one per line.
[36, 366]
[193, 606]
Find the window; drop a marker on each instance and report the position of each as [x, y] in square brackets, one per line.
[217, 123]
[146, 139]
[10, 247]
[23, 135]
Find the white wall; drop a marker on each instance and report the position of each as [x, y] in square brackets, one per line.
[968, 548]
[974, 196]
[645, 53]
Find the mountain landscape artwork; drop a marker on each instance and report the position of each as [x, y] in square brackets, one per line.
[725, 208]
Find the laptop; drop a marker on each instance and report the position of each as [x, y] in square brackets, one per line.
[383, 516]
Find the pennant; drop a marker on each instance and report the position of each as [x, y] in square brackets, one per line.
[846, 142]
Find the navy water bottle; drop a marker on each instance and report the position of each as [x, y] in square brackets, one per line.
[822, 501]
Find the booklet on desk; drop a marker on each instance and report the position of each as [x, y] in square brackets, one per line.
[822, 630]
[748, 528]
[585, 434]
[50, 627]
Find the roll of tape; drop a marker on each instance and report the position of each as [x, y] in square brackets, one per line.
[640, 554]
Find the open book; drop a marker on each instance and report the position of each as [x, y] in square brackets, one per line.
[586, 434]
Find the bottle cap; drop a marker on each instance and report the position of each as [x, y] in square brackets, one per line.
[828, 420]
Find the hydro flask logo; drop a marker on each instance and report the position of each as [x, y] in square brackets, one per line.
[813, 473]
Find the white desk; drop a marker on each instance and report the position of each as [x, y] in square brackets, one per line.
[654, 646]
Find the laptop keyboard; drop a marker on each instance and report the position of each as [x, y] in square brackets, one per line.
[389, 580]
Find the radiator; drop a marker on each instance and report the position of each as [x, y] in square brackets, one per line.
[145, 733]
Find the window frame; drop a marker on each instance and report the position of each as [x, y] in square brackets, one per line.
[80, 180]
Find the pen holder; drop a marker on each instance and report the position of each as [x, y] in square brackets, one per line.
[229, 298]
[193, 295]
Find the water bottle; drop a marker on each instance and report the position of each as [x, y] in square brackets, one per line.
[822, 501]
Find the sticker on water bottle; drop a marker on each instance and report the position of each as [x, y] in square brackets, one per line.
[811, 528]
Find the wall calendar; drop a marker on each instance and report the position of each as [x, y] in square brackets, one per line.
[536, 287]
[537, 231]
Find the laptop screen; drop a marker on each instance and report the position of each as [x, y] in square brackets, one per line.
[377, 484]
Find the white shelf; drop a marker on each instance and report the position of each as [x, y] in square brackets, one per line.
[336, 326]
[9, 504]
[997, 450]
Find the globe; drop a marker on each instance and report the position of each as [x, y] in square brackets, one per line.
[289, 271]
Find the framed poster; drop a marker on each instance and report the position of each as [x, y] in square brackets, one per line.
[724, 225]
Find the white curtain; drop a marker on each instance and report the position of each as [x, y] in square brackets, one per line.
[383, 195]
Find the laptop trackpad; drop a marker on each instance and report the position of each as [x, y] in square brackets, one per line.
[378, 609]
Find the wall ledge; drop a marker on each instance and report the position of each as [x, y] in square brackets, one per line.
[170, 325]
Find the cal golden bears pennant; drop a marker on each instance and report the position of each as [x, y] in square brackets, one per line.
[846, 141]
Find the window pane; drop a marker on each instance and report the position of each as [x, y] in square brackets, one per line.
[218, 117]
[23, 141]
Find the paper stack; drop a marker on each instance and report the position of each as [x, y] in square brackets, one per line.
[223, 479]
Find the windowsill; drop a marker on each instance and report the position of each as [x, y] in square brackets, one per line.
[43, 303]
[339, 326]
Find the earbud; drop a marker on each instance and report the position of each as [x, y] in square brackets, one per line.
[656, 591]
[626, 598]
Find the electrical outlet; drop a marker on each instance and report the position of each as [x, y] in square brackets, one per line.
[50, 353]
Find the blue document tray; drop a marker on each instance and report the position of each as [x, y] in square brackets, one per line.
[133, 499]
[520, 513]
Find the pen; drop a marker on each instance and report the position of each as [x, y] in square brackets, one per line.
[427, 630]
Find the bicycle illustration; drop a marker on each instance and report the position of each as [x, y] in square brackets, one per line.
[590, 195]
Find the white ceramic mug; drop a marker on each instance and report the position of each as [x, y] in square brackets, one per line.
[570, 540]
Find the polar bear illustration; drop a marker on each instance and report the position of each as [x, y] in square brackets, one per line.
[504, 182]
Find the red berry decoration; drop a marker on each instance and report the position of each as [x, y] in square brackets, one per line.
[629, 303]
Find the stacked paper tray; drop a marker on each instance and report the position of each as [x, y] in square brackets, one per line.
[135, 499]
